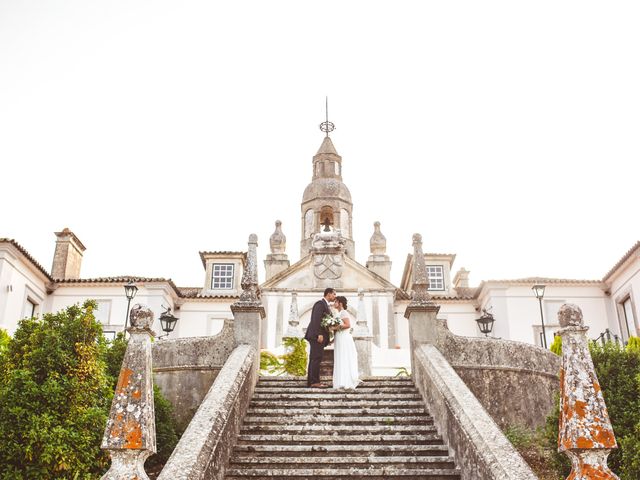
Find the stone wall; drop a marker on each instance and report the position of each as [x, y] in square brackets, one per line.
[206, 445]
[185, 368]
[480, 449]
[515, 382]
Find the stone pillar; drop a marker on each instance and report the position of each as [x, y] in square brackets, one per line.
[379, 262]
[585, 434]
[67, 257]
[248, 312]
[294, 330]
[362, 338]
[130, 436]
[421, 312]
[277, 260]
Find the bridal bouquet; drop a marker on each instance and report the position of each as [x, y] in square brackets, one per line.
[329, 321]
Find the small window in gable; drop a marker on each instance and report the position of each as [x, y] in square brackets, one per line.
[222, 276]
[435, 274]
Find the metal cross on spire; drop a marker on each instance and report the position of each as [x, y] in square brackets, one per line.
[327, 126]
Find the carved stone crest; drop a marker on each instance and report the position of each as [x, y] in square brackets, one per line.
[328, 266]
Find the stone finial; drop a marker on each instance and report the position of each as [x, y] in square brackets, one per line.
[130, 435]
[140, 317]
[420, 295]
[277, 241]
[585, 432]
[570, 315]
[294, 329]
[249, 283]
[378, 242]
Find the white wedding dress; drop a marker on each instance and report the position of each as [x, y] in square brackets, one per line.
[345, 357]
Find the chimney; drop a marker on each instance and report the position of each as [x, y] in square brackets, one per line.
[68, 256]
[461, 280]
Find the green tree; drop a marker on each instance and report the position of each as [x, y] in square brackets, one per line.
[54, 398]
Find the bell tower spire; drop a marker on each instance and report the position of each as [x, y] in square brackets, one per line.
[326, 202]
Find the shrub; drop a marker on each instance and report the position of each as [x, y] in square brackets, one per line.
[54, 398]
[293, 362]
[556, 346]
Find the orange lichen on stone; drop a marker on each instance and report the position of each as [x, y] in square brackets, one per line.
[124, 380]
[596, 386]
[116, 430]
[590, 472]
[581, 408]
[605, 437]
[133, 436]
[136, 395]
[582, 442]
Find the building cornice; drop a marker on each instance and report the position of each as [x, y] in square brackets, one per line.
[24, 253]
[623, 262]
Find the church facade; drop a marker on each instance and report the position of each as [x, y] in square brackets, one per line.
[327, 259]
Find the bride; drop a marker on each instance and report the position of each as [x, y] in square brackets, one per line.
[345, 358]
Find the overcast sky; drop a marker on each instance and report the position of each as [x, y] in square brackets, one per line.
[505, 132]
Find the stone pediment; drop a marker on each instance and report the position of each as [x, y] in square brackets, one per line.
[302, 276]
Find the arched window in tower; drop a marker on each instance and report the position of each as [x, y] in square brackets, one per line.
[326, 217]
[344, 223]
[309, 227]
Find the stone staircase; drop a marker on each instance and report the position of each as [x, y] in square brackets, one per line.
[379, 431]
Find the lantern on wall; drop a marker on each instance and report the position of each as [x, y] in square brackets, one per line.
[485, 322]
[168, 321]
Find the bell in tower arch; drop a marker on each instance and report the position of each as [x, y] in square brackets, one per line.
[326, 218]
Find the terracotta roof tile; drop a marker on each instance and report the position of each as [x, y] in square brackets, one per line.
[624, 258]
[120, 279]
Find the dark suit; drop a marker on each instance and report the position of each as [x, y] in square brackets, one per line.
[320, 309]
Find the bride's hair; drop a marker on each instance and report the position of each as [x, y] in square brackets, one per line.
[343, 301]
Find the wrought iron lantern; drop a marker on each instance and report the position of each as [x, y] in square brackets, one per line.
[130, 291]
[485, 322]
[168, 321]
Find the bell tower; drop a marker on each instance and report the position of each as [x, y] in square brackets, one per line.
[326, 202]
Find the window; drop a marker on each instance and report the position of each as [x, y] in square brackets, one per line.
[30, 309]
[222, 275]
[627, 314]
[435, 273]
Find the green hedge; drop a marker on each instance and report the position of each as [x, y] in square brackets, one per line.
[57, 377]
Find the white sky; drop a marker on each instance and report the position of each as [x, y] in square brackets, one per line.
[505, 132]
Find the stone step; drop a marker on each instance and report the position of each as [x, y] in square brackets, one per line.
[307, 419]
[336, 396]
[331, 439]
[280, 462]
[337, 429]
[361, 389]
[370, 381]
[337, 404]
[335, 450]
[333, 473]
[335, 413]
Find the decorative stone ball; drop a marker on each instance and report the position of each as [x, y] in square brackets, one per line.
[570, 315]
[417, 239]
[141, 316]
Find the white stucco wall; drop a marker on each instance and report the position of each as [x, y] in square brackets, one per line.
[517, 310]
[623, 284]
[19, 281]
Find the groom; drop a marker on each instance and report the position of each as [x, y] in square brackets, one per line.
[318, 337]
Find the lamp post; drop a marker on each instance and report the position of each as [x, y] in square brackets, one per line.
[538, 291]
[130, 290]
[485, 322]
[167, 321]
